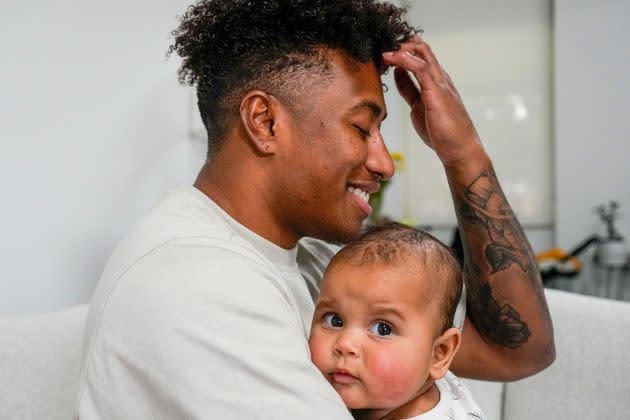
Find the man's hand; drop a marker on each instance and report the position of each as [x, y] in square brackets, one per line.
[437, 111]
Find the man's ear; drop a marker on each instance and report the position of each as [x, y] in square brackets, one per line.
[259, 116]
[444, 349]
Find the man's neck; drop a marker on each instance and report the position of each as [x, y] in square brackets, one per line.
[230, 192]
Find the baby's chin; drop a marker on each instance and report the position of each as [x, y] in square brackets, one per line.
[356, 402]
[350, 401]
[363, 409]
[371, 413]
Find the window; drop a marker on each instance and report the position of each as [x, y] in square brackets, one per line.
[498, 52]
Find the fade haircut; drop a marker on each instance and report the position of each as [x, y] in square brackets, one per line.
[231, 47]
[394, 243]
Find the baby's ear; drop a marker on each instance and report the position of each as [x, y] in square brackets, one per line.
[444, 349]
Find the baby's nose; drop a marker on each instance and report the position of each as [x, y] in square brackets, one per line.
[348, 344]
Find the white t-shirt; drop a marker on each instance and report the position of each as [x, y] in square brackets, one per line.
[197, 317]
[456, 402]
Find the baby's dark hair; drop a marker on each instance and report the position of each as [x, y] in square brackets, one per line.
[230, 47]
[395, 243]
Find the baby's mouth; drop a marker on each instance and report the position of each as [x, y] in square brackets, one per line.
[342, 376]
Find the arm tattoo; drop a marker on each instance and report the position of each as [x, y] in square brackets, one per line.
[504, 245]
[500, 324]
[485, 205]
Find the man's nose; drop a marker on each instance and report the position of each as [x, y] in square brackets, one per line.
[347, 344]
[379, 161]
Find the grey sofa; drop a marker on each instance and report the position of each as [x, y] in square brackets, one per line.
[590, 379]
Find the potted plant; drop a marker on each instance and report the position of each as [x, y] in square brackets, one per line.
[611, 250]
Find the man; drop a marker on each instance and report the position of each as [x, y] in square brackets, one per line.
[204, 310]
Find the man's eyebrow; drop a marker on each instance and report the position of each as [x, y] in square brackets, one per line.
[373, 106]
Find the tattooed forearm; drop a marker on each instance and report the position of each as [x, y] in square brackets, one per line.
[489, 225]
[499, 324]
[484, 205]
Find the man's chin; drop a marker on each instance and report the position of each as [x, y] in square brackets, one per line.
[341, 234]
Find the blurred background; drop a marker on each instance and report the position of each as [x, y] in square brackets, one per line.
[95, 129]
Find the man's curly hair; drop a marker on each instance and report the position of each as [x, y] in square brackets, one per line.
[230, 47]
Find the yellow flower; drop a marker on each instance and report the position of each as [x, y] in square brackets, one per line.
[399, 160]
[376, 199]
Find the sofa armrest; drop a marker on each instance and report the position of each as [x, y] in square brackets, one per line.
[40, 358]
[590, 376]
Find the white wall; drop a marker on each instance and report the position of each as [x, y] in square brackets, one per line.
[494, 50]
[498, 52]
[592, 121]
[93, 130]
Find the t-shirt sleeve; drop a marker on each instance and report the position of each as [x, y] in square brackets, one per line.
[214, 335]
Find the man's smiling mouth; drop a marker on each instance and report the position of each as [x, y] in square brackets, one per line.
[364, 195]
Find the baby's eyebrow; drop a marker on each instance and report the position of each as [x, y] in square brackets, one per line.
[326, 303]
[387, 310]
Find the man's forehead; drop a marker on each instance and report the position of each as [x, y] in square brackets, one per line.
[363, 76]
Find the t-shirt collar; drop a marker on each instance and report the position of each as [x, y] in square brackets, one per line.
[275, 253]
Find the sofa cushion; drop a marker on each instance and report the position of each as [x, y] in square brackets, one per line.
[40, 358]
[589, 378]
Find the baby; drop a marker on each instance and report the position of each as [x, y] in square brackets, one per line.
[382, 330]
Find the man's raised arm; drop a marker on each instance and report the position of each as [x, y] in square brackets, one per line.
[509, 333]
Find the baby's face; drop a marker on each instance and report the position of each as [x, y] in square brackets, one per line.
[373, 333]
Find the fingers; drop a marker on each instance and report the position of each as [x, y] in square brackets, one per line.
[417, 57]
[406, 87]
[406, 60]
[412, 96]
[420, 48]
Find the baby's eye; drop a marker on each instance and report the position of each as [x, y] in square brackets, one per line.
[333, 320]
[381, 329]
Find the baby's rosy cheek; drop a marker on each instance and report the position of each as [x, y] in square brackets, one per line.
[318, 350]
[394, 378]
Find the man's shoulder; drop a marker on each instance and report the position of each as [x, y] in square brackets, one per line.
[194, 275]
[210, 256]
[180, 243]
[183, 212]
[185, 217]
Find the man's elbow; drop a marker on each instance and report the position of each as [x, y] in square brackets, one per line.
[547, 358]
[536, 363]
